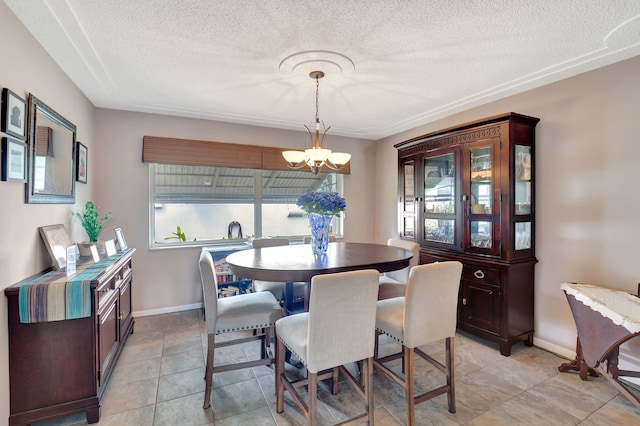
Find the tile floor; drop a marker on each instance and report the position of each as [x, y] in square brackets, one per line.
[159, 381]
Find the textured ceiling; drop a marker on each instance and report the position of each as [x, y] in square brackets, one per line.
[391, 64]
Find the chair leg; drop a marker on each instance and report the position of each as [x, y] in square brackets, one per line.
[376, 344]
[208, 371]
[335, 381]
[367, 374]
[451, 383]
[313, 399]
[408, 363]
[280, 355]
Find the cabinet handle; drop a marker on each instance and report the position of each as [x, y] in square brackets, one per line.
[479, 274]
[104, 290]
[464, 300]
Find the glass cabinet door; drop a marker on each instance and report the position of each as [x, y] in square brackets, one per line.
[522, 198]
[408, 200]
[522, 169]
[439, 199]
[481, 169]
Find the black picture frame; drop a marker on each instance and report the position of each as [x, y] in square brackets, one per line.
[14, 115]
[82, 162]
[14, 160]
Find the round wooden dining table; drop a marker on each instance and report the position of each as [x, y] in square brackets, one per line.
[294, 263]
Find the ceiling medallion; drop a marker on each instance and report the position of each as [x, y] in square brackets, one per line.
[308, 61]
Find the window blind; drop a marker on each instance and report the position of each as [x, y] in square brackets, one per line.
[163, 150]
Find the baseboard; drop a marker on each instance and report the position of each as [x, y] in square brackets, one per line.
[168, 310]
[555, 349]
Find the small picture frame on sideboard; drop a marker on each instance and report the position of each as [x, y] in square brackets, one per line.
[56, 239]
[122, 244]
[110, 247]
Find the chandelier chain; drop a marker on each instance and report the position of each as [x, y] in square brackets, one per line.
[317, 99]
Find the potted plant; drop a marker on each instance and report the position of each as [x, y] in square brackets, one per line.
[93, 224]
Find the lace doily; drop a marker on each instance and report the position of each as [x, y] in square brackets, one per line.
[619, 306]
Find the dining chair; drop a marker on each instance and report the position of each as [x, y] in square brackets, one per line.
[251, 311]
[426, 314]
[334, 332]
[307, 239]
[394, 283]
[276, 288]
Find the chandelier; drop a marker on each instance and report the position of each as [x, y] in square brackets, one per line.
[316, 157]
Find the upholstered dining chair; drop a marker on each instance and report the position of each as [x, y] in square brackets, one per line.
[251, 311]
[426, 314]
[336, 331]
[394, 283]
[307, 239]
[276, 288]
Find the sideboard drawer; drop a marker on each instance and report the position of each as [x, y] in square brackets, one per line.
[480, 274]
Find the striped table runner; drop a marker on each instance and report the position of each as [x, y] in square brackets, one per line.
[56, 297]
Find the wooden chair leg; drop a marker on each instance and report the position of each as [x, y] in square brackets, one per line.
[451, 383]
[335, 381]
[208, 371]
[280, 355]
[408, 363]
[313, 399]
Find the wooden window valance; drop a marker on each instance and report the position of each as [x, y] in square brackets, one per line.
[156, 149]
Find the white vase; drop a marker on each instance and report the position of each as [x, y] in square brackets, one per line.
[85, 248]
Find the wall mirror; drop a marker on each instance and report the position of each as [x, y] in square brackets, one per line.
[52, 145]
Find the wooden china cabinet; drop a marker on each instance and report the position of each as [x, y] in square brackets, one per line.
[467, 193]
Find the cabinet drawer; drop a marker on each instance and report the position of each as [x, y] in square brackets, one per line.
[481, 274]
[105, 290]
[123, 275]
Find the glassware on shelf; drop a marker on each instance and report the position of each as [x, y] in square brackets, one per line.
[480, 235]
[523, 236]
[441, 231]
[522, 169]
[481, 180]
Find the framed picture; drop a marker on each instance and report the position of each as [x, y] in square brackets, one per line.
[110, 247]
[14, 160]
[72, 255]
[14, 115]
[56, 239]
[94, 253]
[121, 241]
[81, 163]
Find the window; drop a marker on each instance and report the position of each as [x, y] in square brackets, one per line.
[204, 201]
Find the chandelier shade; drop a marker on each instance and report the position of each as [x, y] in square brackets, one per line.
[317, 156]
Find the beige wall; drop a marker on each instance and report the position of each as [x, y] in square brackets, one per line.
[587, 165]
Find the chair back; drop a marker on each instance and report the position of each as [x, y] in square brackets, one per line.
[342, 318]
[431, 302]
[269, 242]
[402, 275]
[307, 239]
[209, 289]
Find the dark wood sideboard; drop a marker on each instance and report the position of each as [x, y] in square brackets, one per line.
[62, 367]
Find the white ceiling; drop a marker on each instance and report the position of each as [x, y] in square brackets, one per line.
[396, 64]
